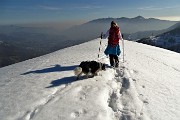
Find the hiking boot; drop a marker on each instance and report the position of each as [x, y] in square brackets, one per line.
[117, 64]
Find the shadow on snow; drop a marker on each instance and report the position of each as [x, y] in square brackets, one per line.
[55, 68]
[65, 80]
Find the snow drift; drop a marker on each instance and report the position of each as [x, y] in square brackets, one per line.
[146, 86]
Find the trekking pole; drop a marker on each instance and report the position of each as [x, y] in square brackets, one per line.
[123, 47]
[100, 45]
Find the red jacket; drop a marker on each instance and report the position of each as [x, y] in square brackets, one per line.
[114, 36]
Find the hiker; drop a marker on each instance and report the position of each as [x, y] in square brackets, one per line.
[113, 48]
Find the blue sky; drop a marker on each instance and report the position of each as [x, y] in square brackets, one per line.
[24, 11]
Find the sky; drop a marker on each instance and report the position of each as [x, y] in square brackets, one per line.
[34, 11]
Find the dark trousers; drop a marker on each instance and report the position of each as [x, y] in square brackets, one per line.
[114, 61]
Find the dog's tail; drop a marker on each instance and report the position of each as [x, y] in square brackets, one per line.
[77, 71]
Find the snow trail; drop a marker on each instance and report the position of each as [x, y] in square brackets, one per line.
[144, 87]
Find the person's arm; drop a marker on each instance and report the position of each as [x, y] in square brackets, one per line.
[120, 35]
[104, 36]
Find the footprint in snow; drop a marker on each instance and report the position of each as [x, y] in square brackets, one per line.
[134, 80]
[126, 117]
[133, 71]
[125, 85]
[82, 96]
[145, 101]
[120, 71]
[84, 91]
[143, 86]
[78, 113]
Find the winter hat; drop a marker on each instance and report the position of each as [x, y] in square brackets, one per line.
[113, 23]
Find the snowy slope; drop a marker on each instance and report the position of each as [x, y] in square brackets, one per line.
[145, 87]
[169, 40]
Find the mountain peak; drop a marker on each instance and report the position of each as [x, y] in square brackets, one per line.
[139, 17]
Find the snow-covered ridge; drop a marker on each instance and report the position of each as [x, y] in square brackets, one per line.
[169, 40]
[146, 86]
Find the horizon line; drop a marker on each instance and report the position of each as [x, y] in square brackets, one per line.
[167, 18]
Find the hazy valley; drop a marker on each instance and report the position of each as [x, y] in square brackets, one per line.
[19, 43]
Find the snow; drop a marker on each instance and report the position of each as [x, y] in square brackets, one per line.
[145, 87]
[166, 40]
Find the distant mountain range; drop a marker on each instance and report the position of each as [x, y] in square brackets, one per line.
[142, 34]
[128, 26]
[18, 43]
[168, 40]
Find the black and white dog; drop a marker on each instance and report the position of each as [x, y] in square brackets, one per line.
[89, 68]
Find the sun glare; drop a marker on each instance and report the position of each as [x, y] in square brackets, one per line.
[171, 18]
